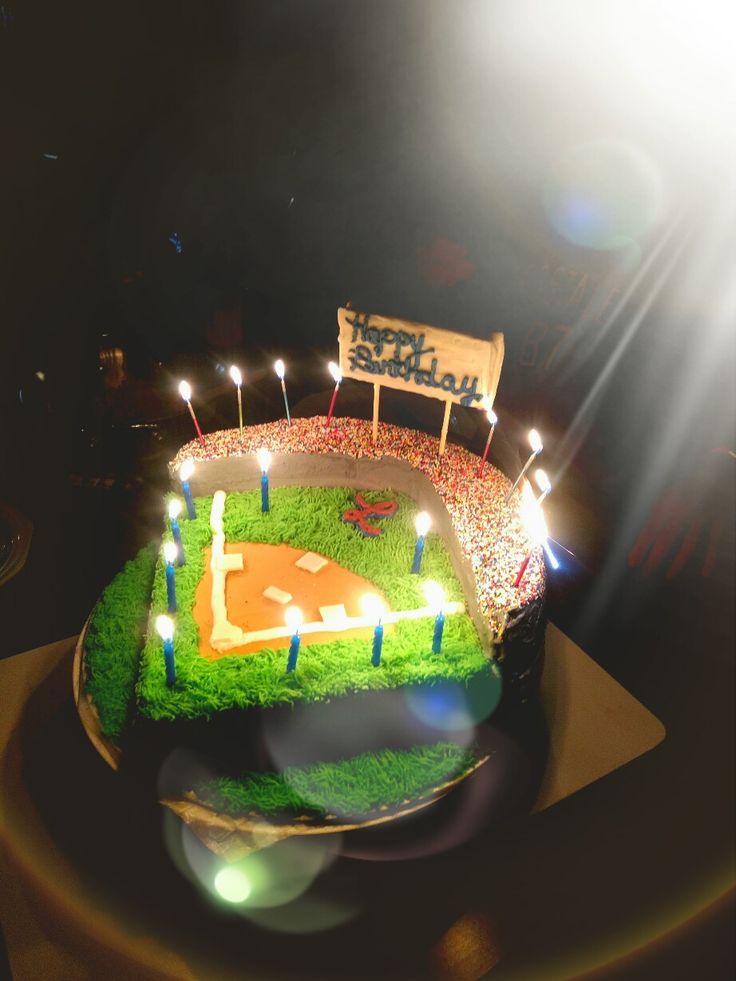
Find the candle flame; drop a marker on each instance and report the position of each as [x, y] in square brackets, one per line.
[174, 508]
[264, 459]
[373, 606]
[335, 372]
[532, 515]
[294, 618]
[170, 551]
[535, 441]
[435, 595]
[422, 523]
[165, 627]
[492, 417]
[543, 481]
[186, 470]
[185, 390]
[236, 375]
[280, 368]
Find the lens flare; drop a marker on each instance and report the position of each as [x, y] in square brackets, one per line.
[232, 885]
[604, 195]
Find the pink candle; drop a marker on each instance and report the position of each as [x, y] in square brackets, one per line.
[522, 570]
[185, 390]
[337, 375]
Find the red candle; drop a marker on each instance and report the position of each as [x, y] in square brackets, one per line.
[522, 570]
[185, 390]
[337, 375]
[493, 419]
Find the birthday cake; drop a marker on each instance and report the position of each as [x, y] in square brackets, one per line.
[334, 613]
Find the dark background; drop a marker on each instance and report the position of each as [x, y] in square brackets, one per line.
[401, 156]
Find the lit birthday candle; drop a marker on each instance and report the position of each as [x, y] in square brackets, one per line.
[238, 379]
[280, 370]
[492, 420]
[185, 390]
[374, 610]
[165, 628]
[436, 598]
[264, 462]
[174, 512]
[294, 620]
[170, 551]
[337, 375]
[422, 523]
[535, 441]
[185, 472]
[543, 484]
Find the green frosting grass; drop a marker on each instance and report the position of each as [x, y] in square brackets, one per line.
[352, 787]
[309, 519]
[114, 641]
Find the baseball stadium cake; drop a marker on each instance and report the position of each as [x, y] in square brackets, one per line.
[335, 607]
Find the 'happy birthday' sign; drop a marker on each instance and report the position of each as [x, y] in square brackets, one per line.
[414, 357]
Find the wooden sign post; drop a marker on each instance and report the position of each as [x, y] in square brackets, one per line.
[429, 361]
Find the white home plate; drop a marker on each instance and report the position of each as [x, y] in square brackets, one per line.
[333, 614]
[277, 595]
[311, 562]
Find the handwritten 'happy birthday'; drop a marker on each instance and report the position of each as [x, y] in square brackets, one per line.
[368, 356]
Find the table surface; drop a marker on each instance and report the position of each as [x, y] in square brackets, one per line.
[70, 907]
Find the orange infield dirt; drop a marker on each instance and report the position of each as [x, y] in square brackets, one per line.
[273, 565]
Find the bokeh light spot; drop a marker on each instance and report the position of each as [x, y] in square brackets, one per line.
[604, 195]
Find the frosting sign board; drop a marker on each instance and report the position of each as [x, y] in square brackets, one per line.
[420, 359]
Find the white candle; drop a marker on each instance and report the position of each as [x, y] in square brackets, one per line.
[280, 369]
[535, 441]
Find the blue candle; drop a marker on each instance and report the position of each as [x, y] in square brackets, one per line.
[170, 666]
[377, 645]
[185, 472]
[165, 628]
[174, 510]
[293, 651]
[439, 626]
[264, 461]
[191, 510]
[176, 534]
[422, 523]
[170, 587]
[418, 552]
